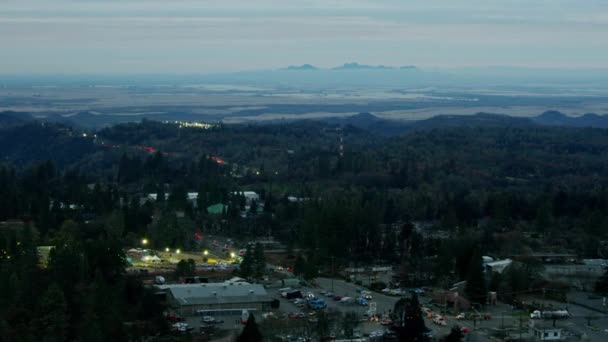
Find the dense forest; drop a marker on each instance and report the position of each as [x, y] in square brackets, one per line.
[335, 193]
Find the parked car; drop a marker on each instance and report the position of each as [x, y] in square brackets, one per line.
[440, 320]
[362, 301]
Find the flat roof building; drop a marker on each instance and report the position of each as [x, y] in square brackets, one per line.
[189, 298]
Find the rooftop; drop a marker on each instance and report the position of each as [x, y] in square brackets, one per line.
[217, 293]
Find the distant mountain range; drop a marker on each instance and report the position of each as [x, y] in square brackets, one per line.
[365, 121]
[387, 127]
[302, 67]
[349, 66]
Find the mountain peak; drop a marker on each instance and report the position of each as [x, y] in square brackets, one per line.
[302, 67]
[357, 66]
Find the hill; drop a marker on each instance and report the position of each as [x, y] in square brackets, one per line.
[555, 118]
[11, 119]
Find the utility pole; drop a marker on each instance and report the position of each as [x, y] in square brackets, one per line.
[332, 274]
[520, 326]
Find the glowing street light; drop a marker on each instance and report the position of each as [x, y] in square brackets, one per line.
[167, 249]
[144, 241]
[206, 252]
[232, 255]
[178, 251]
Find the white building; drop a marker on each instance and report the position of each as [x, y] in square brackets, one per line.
[543, 332]
[497, 266]
[250, 196]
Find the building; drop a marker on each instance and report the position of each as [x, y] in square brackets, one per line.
[544, 332]
[187, 299]
[250, 196]
[217, 209]
[497, 266]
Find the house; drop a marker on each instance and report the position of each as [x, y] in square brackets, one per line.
[188, 299]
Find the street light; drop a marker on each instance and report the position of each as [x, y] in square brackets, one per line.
[178, 251]
[167, 249]
[232, 255]
[205, 252]
[144, 241]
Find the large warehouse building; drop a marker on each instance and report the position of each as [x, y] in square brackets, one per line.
[191, 299]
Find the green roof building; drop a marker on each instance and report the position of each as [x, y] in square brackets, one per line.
[217, 209]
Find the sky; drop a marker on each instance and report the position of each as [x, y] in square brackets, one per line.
[204, 36]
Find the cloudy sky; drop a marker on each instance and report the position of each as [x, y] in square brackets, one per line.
[201, 36]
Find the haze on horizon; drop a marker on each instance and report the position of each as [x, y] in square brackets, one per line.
[188, 36]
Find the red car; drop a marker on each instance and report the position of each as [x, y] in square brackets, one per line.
[337, 297]
[296, 315]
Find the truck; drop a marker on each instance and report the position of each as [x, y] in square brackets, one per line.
[550, 314]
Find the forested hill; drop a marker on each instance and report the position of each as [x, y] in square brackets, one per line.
[25, 141]
[483, 149]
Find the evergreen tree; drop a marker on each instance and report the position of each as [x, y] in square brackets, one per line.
[52, 319]
[259, 263]
[455, 335]
[185, 268]
[247, 265]
[250, 332]
[408, 321]
[601, 285]
[299, 266]
[475, 288]
[253, 207]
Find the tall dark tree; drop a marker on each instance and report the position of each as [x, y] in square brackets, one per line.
[475, 288]
[455, 335]
[52, 321]
[251, 332]
[408, 321]
[185, 268]
[601, 285]
[246, 269]
[259, 261]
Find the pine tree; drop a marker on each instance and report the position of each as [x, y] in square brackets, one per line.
[409, 323]
[250, 332]
[476, 285]
[259, 261]
[299, 266]
[52, 321]
[246, 268]
[455, 335]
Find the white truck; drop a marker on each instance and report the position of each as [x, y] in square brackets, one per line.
[550, 314]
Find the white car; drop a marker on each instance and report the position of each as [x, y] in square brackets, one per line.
[439, 320]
